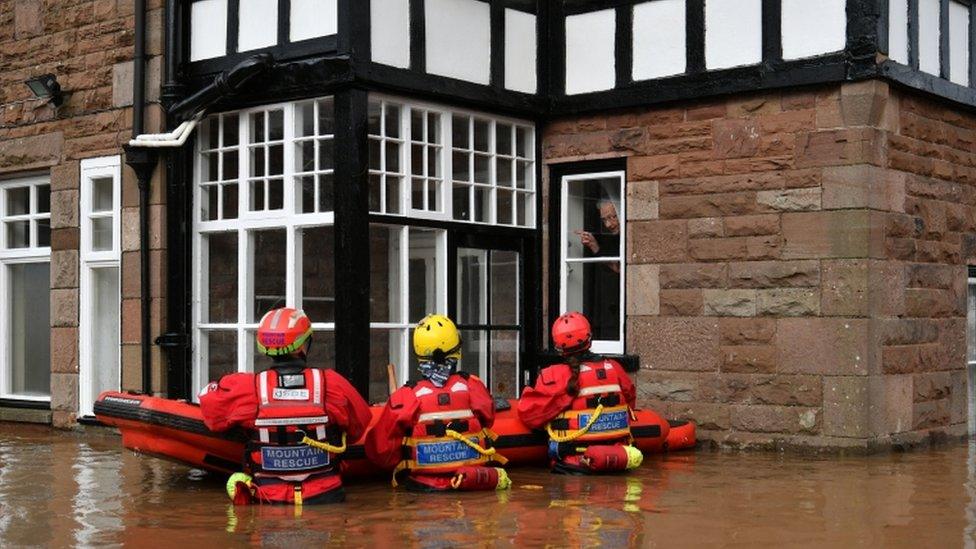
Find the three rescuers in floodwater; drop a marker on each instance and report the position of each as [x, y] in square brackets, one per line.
[434, 434]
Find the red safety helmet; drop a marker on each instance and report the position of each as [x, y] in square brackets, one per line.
[571, 333]
[283, 331]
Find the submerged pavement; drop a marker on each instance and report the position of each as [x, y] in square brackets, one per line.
[61, 489]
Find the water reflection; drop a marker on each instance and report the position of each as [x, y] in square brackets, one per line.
[62, 489]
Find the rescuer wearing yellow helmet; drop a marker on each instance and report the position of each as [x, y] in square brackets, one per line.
[437, 429]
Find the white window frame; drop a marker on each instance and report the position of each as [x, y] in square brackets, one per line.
[970, 365]
[401, 360]
[599, 346]
[447, 181]
[244, 225]
[16, 256]
[91, 260]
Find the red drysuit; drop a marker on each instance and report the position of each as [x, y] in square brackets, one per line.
[423, 412]
[602, 382]
[280, 407]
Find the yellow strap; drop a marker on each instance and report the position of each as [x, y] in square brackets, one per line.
[325, 445]
[489, 453]
[298, 495]
[575, 434]
[456, 481]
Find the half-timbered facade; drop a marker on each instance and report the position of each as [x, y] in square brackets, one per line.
[766, 207]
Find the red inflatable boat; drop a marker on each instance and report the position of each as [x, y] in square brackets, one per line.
[174, 429]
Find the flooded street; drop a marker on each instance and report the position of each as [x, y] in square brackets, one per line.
[60, 489]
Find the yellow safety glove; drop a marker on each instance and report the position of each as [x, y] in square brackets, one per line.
[634, 457]
[232, 483]
[504, 483]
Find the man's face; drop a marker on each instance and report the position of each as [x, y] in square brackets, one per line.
[608, 215]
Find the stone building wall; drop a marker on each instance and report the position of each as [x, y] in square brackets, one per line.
[88, 45]
[796, 261]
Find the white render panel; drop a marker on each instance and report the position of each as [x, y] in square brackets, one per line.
[928, 36]
[590, 62]
[813, 28]
[390, 32]
[898, 31]
[520, 51]
[458, 36]
[208, 29]
[959, 43]
[258, 24]
[733, 33]
[312, 18]
[660, 47]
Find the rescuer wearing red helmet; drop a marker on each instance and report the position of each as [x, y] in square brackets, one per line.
[584, 404]
[299, 418]
[436, 430]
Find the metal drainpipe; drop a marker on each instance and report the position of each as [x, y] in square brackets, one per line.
[144, 163]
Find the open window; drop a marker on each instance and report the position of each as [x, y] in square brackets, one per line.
[591, 233]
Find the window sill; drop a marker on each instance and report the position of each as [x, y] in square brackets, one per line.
[25, 404]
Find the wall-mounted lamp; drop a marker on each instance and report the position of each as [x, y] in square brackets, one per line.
[46, 87]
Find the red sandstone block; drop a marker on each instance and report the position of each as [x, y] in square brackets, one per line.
[652, 167]
[659, 116]
[706, 111]
[931, 414]
[685, 344]
[824, 346]
[774, 274]
[932, 386]
[839, 147]
[793, 121]
[658, 241]
[678, 130]
[753, 106]
[711, 205]
[752, 225]
[846, 406]
[681, 302]
[845, 288]
[749, 359]
[722, 184]
[776, 419]
[899, 359]
[706, 227]
[707, 416]
[753, 165]
[736, 138]
[64, 350]
[693, 275]
[747, 331]
[833, 234]
[793, 100]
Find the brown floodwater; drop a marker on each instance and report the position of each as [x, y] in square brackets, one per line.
[61, 489]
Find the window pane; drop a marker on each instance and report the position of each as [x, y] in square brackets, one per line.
[211, 132]
[504, 364]
[504, 215]
[523, 142]
[305, 119]
[18, 234]
[459, 132]
[210, 167]
[276, 125]
[392, 157]
[474, 352]
[322, 352]
[504, 172]
[318, 273]
[208, 202]
[257, 127]
[504, 287]
[423, 264]
[101, 234]
[276, 194]
[270, 262]
[385, 292]
[392, 128]
[256, 196]
[374, 115]
[18, 201]
[221, 356]
[462, 204]
[375, 188]
[481, 173]
[591, 218]
[231, 130]
[417, 193]
[29, 299]
[971, 324]
[416, 125]
[305, 156]
[461, 167]
[482, 201]
[222, 277]
[503, 139]
[307, 189]
[230, 201]
[43, 198]
[231, 165]
[102, 194]
[326, 155]
[482, 135]
[43, 233]
[105, 330]
[472, 283]
[276, 160]
[594, 290]
[386, 347]
[393, 198]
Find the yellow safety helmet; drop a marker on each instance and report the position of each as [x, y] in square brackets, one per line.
[436, 338]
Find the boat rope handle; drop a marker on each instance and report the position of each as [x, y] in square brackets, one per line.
[576, 434]
[325, 445]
